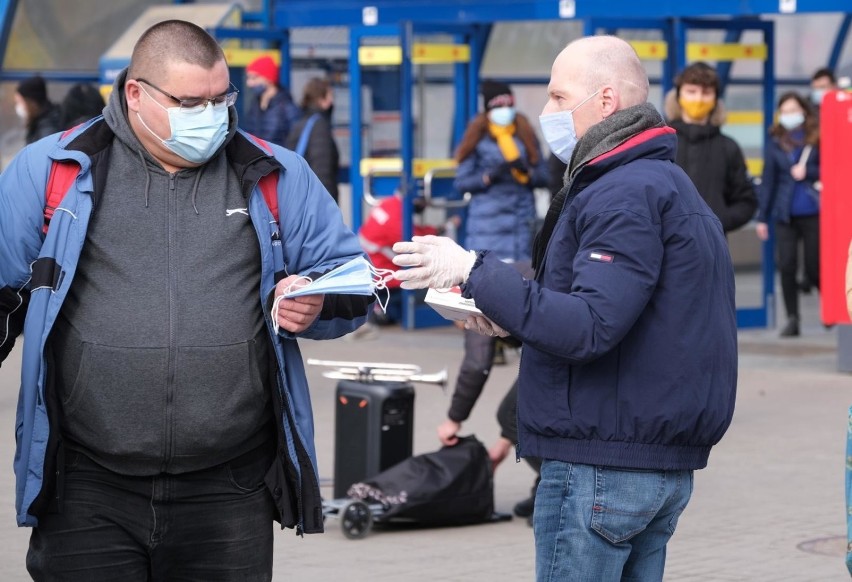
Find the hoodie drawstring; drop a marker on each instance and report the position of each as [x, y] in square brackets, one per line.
[195, 187]
[147, 176]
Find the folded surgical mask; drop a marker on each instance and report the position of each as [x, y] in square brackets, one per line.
[356, 277]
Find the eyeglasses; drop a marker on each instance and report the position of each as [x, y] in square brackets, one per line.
[194, 104]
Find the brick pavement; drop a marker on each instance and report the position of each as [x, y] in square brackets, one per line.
[773, 484]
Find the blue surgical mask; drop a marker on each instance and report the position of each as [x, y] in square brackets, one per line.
[196, 134]
[558, 130]
[502, 116]
[257, 90]
[356, 277]
[791, 121]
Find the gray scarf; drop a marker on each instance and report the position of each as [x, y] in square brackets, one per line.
[598, 140]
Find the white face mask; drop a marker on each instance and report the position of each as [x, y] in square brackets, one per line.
[558, 130]
[791, 120]
[502, 116]
[21, 111]
[356, 277]
[196, 135]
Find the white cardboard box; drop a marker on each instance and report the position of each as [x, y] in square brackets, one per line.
[450, 304]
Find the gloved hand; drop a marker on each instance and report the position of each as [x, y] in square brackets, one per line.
[484, 326]
[519, 165]
[500, 173]
[438, 262]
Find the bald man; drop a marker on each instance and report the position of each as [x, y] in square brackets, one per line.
[164, 419]
[629, 362]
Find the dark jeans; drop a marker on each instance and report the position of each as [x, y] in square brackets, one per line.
[806, 230]
[211, 525]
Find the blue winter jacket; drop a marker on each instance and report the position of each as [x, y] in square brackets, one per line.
[777, 185]
[501, 216]
[36, 271]
[629, 328]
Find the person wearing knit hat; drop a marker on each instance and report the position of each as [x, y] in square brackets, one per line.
[271, 111]
[35, 109]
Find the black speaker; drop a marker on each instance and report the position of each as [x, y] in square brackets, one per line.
[374, 430]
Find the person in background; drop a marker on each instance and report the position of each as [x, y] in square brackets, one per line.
[712, 160]
[164, 416]
[32, 106]
[82, 102]
[822, 81]
[270, 111]
[789, 196]
[629, 257]
[311, 136]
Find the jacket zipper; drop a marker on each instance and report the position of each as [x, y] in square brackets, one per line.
[170, 381]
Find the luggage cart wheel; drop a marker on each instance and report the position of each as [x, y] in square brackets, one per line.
[356, 520]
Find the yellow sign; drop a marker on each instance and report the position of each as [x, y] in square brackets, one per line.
[650, 50]
[696, 51]
[240, 57]
[421, 54]
[754, 166]
[393, 166]
[744, 118]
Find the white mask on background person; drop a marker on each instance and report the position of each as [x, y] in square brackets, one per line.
[196, 134]
[791, 120]
[816, 96]
[21, 111]
[559, 132]
[502, 116]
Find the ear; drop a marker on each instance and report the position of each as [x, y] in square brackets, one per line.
[609, 100]
[133, 94]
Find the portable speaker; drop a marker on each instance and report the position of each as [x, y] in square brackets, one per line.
[374, 429]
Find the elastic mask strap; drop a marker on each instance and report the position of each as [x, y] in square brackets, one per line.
[274, 313]
[380, 279]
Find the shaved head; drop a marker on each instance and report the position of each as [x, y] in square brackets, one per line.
[173, 41]
[608, 60]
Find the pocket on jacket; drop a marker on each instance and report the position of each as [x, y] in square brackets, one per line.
[220, 397]
[116, 402]
[543, 400]
[626, 502]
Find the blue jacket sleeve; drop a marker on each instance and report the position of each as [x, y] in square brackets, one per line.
[315, 241]
[22, 187]
[767, 183]
[604, 302]
[469, 176]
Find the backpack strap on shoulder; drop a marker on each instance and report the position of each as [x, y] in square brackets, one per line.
[269, 183]
[59, 181]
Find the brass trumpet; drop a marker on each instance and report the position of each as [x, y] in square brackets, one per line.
[378, 372]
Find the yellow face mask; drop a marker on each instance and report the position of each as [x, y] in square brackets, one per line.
[696, 109]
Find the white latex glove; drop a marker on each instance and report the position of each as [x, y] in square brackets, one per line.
[437, 260]
[484, 326]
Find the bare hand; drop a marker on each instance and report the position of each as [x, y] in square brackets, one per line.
[798, 172]
[448, 432]
[297, 314]
[499, 451]
[484, 326]
[762, 230]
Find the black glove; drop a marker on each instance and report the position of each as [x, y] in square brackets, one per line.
[500, 173]
[520, 165]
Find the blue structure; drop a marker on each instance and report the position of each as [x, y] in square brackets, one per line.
[469, 22]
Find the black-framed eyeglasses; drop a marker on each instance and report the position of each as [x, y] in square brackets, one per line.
[198, 103]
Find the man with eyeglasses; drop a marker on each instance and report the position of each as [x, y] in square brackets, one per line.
[163, 424]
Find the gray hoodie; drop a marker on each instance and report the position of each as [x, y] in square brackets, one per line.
[161, 350]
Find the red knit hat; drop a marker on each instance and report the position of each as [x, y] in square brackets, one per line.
[264, 67]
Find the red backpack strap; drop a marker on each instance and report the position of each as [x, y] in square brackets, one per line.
[269, 183]
[269, 186]
[62, 175]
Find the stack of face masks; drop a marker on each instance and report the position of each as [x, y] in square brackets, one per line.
[356, 277]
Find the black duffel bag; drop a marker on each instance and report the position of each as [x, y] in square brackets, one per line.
[452, 486]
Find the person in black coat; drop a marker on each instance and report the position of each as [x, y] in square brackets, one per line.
[713, 161]
[789, 195]
[35, 109]
[319, 149]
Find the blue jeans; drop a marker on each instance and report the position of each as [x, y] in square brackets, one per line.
[212, 525]
[600, 524]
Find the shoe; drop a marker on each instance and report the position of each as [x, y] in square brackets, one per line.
[792, 328]
[805, 286]
[525, 508]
